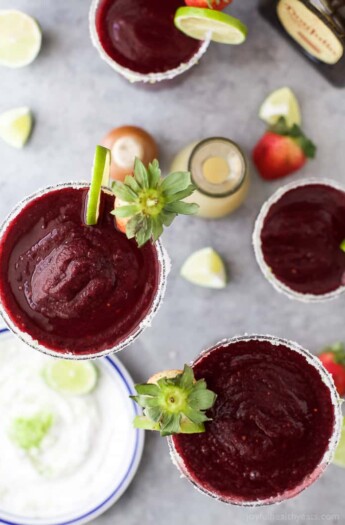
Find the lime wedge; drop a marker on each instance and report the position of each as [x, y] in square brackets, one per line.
[20, 38]
[281, 103]
[100, 177]
[205, 268]
[15, 126]
[339, 456]
[204, 23]
[71, 377]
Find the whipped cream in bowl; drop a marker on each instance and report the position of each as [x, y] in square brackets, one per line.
[64, 458]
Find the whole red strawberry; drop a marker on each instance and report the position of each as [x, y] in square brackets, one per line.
[282, 150]
[333, 359]
[219, 5]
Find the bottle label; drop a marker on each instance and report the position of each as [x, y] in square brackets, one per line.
[310, 31]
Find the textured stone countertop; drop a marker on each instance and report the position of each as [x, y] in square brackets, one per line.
[76, 98]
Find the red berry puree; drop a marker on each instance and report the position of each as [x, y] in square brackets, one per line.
[74, 287]
[271, 423]
[141, 36]
[301, 238]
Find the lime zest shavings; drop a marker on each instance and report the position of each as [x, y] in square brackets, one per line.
[149, 202]
[29, 432]
[174, 405]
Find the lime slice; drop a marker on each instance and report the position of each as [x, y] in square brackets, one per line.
[207, 23]
[15, 126]
[100, 177]
[71, 377]
[339, 456]
[281, 103]
[20, 38]
[205, 268]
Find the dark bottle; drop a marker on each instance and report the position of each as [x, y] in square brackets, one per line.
[315, 27]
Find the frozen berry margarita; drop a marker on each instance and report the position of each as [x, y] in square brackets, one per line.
[298, 237]
[76, 280]
[70, 287]
[272, 429]
[138, 38]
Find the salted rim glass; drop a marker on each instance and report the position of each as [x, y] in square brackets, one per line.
[257, 244]
[333, 442]
[164, 268]
[134, 76]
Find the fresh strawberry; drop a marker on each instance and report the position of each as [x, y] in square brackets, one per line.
[282, 150]
[333, 359]
[121, 222]
[219, 5]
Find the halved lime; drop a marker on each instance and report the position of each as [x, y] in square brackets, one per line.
[205, 268]
[20, 38]
[100, 177]
[339, 456]
[71, 377]
[207, 23]
[281, 103]
[15, 126]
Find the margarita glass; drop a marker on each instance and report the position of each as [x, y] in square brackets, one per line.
[274, 426]
[140, 40]
[71, 290]
[297, 238]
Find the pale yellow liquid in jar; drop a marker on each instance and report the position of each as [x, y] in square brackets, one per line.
[212, 172]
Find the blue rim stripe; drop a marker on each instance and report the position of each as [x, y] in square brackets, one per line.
[124, 479]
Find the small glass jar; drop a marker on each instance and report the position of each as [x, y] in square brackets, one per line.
[315, 27]
[219, 171]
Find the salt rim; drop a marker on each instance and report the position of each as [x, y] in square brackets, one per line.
[133, 76]
[257, 244]
[163, 260]
[333, 442]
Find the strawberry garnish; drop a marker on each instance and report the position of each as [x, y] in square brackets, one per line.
[333, 359]
[174, 402]
[282, 150]
[219, 5]
[146, 202]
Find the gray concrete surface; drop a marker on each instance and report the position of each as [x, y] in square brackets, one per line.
[76, 98]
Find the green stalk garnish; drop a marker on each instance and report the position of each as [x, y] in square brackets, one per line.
[146, 202]
[342, 245]
[174, 405]
[29, 432]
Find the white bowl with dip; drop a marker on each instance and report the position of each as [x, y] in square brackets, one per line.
[89, 456]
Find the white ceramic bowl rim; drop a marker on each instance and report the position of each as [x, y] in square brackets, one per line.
[110, 499]
[333, 442]
[257, 244]
[134, 76]
[163, 261]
